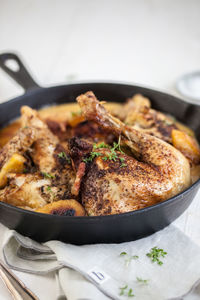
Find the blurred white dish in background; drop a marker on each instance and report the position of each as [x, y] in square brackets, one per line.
[189, 86]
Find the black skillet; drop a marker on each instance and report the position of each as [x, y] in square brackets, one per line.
[104, 229]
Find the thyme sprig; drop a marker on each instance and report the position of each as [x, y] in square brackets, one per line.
[111, 155]
[155, 254]
[101, 145]
[93, 154]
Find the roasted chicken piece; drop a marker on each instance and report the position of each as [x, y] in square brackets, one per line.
[14, 164]
[87, 129]
[51, 158]
[156, 172]
[187, 145]
[53, 176]
[18, 144]
[31, 190]
[11, 159]
[35, 192]
[138, 113]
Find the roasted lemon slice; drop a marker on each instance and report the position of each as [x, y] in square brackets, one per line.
[14, 165]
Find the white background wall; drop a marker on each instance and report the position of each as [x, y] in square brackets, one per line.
[150, 42]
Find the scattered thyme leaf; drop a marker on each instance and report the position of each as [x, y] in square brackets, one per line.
[144, 281]
[122, 290]
[135, 257]
[155, 253]
[128, 258]
[62, 155]
[25, 171]
[123, 253]
[125, 292]
[123, 165]
[48, 175]
[49, 189]
[130, 293]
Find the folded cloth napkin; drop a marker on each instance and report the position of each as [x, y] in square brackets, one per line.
[116, 271]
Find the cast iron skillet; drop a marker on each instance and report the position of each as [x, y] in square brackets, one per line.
[104, 229]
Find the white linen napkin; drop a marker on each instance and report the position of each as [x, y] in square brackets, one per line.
[99, 272]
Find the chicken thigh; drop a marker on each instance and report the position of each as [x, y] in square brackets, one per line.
[155, 172]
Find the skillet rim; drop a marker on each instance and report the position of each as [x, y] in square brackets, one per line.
[97, 218]
[94, 82]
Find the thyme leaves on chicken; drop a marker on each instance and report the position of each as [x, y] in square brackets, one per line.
[111, 155]
[122, 159]
[63, 155]
[93, 154]
[48, 175]
[51, 192]
[114, 156]
[123, 165]
[155, 254]
[101, 145]
[49, 189]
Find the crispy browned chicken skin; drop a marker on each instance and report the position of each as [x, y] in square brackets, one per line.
[54, 176]
[159, 172]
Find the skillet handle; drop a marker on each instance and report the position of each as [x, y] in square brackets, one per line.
[20, 75]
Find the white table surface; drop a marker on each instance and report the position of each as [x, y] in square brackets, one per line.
[148, 42]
